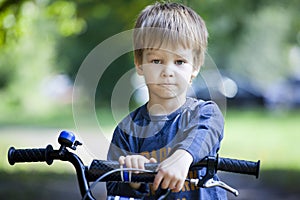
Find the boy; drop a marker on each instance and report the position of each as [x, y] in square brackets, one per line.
[170, 40]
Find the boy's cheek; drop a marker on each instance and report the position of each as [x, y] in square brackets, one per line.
[151, 77]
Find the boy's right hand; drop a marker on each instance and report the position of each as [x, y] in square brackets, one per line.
[135, 161]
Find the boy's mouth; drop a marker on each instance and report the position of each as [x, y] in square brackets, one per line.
[167, 83]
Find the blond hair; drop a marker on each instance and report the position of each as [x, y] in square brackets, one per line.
[170, 24]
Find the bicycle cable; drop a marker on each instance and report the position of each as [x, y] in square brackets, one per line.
[111, 172]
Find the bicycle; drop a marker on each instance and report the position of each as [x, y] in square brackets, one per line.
[103, 171]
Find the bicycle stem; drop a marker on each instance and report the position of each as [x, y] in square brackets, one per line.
[65, 155]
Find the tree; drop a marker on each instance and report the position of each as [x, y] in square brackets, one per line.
[31, 30]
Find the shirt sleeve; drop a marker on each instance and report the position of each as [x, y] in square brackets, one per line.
[202, 131]
[120, 146]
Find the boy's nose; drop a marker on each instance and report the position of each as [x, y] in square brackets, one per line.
[167, 71]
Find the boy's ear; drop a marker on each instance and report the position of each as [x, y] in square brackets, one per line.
[139, 69]
[138, 66]
[195, 72]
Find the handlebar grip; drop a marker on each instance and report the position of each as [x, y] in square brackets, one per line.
[239, 166]
[29, 155]
[100, 167]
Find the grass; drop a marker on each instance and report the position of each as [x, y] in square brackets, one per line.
[60, 117]
[260, 134]
[249, 134]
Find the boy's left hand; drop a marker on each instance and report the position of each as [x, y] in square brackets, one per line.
[173, 171]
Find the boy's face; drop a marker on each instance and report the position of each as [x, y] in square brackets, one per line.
[168, 74]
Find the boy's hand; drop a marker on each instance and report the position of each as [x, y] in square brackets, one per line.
[135, 161]
[173, 171]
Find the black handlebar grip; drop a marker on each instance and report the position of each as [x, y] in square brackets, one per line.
[100, 167]
[29, 155]
[239, 166]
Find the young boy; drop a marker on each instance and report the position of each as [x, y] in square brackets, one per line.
[170, 40]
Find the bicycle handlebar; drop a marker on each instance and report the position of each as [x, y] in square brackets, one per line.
[239, 166]
[30, 155]
[99, 168]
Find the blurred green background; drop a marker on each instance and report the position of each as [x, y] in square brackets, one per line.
[255, 44]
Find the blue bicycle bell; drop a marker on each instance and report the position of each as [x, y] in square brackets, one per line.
[66, 138]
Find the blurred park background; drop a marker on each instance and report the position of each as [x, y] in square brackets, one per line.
[254, 44]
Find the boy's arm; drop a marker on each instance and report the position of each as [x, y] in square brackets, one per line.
[173, 171]
[201, 137]
[203, 133]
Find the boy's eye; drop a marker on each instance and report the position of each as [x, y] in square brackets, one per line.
[179, 62]
[156, 61]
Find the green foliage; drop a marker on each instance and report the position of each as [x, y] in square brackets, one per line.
[64, 14]
[41, 38]
[32, 30]
[263, 50]
[103, 20]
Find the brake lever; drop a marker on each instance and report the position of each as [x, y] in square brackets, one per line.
[207, 180]
[213, 183]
